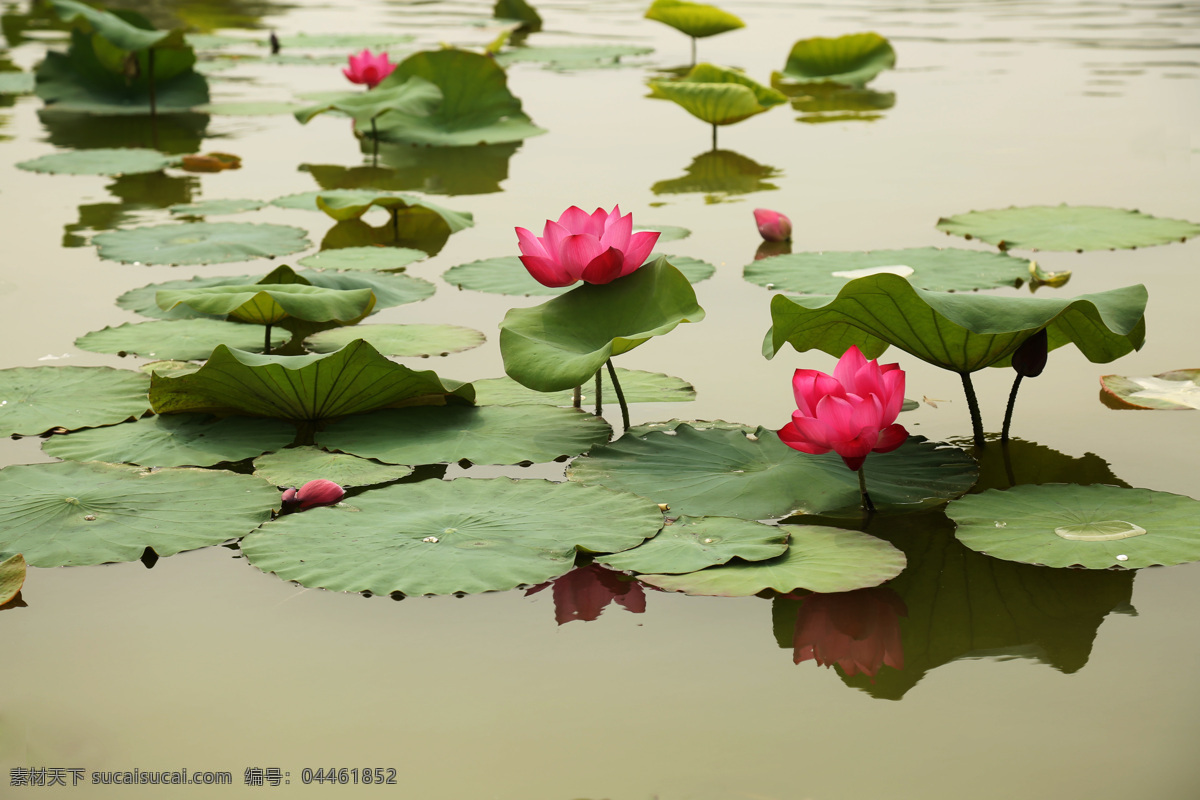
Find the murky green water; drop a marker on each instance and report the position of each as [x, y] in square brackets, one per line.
[1017, 681]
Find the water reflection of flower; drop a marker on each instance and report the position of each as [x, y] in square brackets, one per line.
[584, 592]
[859, 631]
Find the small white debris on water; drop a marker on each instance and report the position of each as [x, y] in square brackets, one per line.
[52, 357]
[1122, 558]
[1001, 524]
[708, 541]
[893, 269]
[430, 539]
[90, 517]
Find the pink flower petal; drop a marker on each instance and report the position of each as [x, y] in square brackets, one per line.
[792, 437]
[639, 247]
[529, 244]
[617, 232]
[890, 438]
[577, 251]
[604, 268]
[547, 271]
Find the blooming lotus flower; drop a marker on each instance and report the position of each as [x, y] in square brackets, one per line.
[851, 412]
[859, 631]
[314, 493]
[368, 69]
[773, 226]
[597, 248]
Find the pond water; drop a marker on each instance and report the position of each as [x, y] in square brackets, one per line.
[1017, 681]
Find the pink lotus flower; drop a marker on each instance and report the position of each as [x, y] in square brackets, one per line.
[597, 248]
[368, 69]
[859, 631]
[773, 226]
[314, 493]
[852, 412]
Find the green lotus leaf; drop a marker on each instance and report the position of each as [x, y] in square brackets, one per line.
[1066, 227]
[1066, 525]
[481, 435]
[12, 576]
[638, 387]
[175, 441]
[818, 558]
[16, 82]
[116, 30]
[720, 172]
[400, 340]
[520, 11]
[216, 207]
[35, 399]
[343, 41]
[561, 343]
[345, 206]
[667, 233]
[101, 161]
[955, 331]
[697, 20]
[245, 109]
[717, 95]
[313, 388]
[476, 107]
[1017, 462]
[507, 275]
[1172, 391]
[296, 466]
[201, 243]
[168, 367]
[73, 513]
[851, 60]
[442, 537]
[939, 270]
[176, 339]
[697, 424]
[369, 259]
[270, 304]
[414, 97]
[578, 56]
[694, 543]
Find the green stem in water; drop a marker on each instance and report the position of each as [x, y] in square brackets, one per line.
[1008, 412]
[577, 397]
[868, 506]
[612, 374]
[267, 342]
[599, 396]
[375, 143]
[973, 405]
[693, 51]
[714, 147]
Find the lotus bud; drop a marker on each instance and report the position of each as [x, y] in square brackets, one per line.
[319, 493]
[773, 226]
[1030, 358]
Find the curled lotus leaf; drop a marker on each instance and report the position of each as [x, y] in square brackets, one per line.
[952, 330]
[176, 339]
[850, 60]
[1067, 228]
[693, 543]
[717, 95]
[201, 243]
[270, 304]
[1172, 391]
[413, 340]
[12, 576]
[528, 17]
[697, 20]
[638, 386]
[112, 161]
[367, 259]
[296, 466]
[507, 275]
[35, 399]
[115, 29]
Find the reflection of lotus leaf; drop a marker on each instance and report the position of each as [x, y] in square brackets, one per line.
[717, 95]
[439, 170]
[1066, 227]
[16, 82]
[1017, 462]
[697, 20]
[720, 172]
[692, 543]
[296, 466]
[177, 133]
[400, 340]
[177, 339]
[941, 270]
[852, 60]
[1173, 391]
[101, 161]
[201, 243]
[637, 385]
[36, 399]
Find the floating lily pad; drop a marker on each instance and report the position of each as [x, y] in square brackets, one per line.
[216, 207]
[400, 340]
[201, 243]
[1172, 391]
[72, 513]
[177, 339]
[343, 41]
[507, 275]
[35, 399]
[248, 109]
[441, 537]
[481, 435]
[169, 367]
[12, 576]
[694, 543]
[578, 56]
[717, 95]
[175, 441]
[939, 270]
[852, 60]
[720, 172]
[16, 82]
[736, 473]
[697, 20]
[667, 233]
[1065, 525]
[561, 343]
[1066, 227]
[370, 259]
[697, 424]
[101, 161]
[818, 558]
[271, 303]
[296, 466]
[637, 385]
[955, 331]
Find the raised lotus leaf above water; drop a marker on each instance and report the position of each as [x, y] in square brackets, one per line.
[367, 259]
[955, 331]
[851, 60]
[1066, 525]
[201, 243]
[520, 11]
[296, 466]
[637, 385]
[936, 269]
[1066, 228]
[688, 544]
[177, 339]
[718, 95]
[100, 161]
[697, 20]
[72, 513]
[269, 304]
[1172, 391]
[442, 537]
[415, 340]
[36, 399]
[12, 576]
[413, 97]
[507, 275]
[753, 475]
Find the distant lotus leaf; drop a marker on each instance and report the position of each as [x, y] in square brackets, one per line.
[101, 161]
[176, 339]
[481, 435]
[175, 441]
[638, 386]
[736, 473]
[955, 331]
[852, 60]
[296, 466]
[73, 513]
[940, 270]
[377, 259]
[16, 82]
[476, 106]
[12, 576]
[667, 233]
[314, 388]
[1065, 525]
[343, 41]
[720, 172]
[717, 95]
[697, 20]
[270, 304]
[818, 558]
[168, 367]
[580, 56]
[35, 399]
[413, 97]
[216, 207]
[694, 543]
[507, 275]
[520, 11]
[1172, 391]
[400, 340]
[442, 537]
[696, 424]
[247, 109]
[561, 343]
[201, 243]
[1066, 227]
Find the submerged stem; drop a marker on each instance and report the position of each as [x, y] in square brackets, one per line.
[612, 374]
[267, 342]
[599, 395]
[714, 127]
[973, 405]
[868, 506]
[1008, 412]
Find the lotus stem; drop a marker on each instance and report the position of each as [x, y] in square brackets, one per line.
[577, 397]
[267, 342]
[150, 79]
[375, 144]
[868, 506]
[599, 395]
[395, 225]
[973, 405]
[1008, 412]
[714, 138]
[693, 51]
[1008, 467]
[612, 374]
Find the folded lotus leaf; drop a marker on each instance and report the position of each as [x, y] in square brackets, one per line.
[12, 576]
[520, 11]
[270, 304]
[1172, 391]
[118, 31]
[344, 206]
[955, 331]
[851, 60]
[697, 20]
[717, 95]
